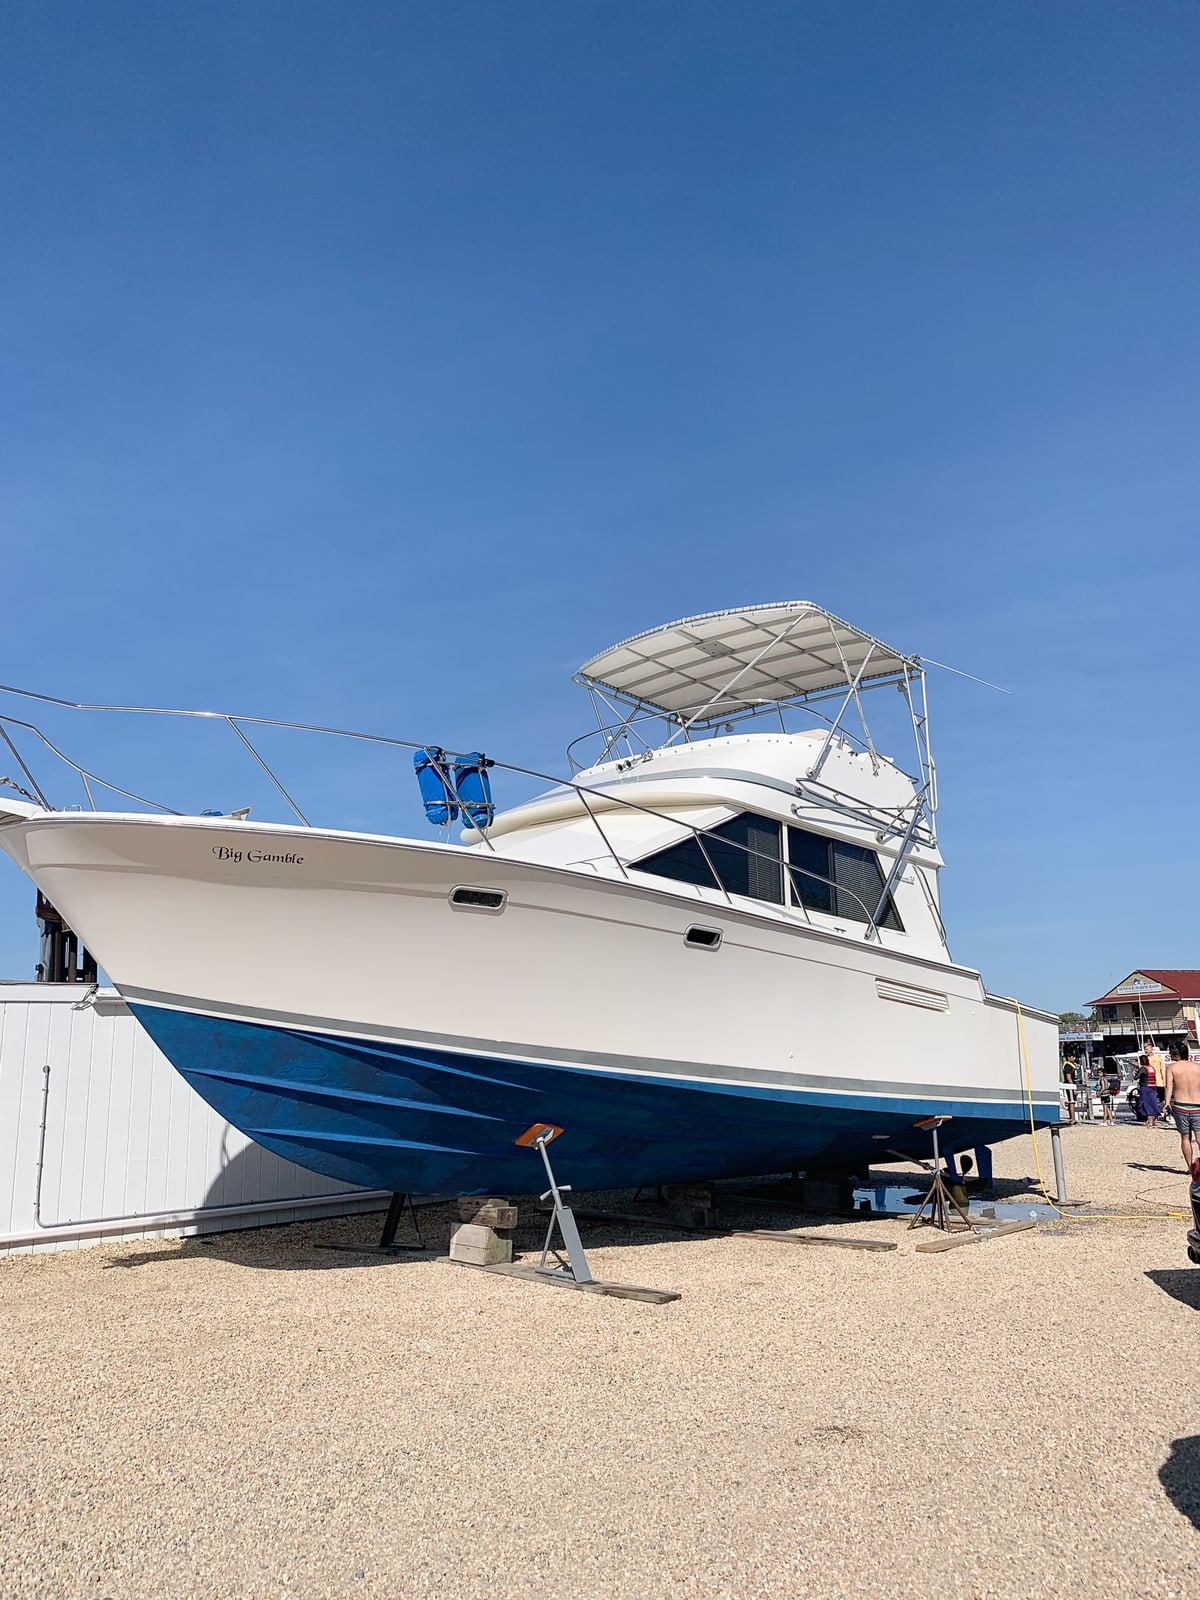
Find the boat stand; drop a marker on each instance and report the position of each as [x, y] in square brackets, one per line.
[940, 1197]
[387, 1245]
[561, 1216]
[574, 1273]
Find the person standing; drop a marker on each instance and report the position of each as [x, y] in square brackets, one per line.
[1107, 1091]
[1183, 1101]
[1158, 1069]
[1069, 1079]
[1147, 1093]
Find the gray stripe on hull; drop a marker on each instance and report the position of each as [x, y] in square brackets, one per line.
[764, 1077]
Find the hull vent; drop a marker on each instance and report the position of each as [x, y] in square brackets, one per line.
[465, 898]
[908, 996]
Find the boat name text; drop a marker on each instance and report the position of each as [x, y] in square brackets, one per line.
[224, 852]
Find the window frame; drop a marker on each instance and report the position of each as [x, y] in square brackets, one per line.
[711, 847]
[698, 844]
[890, 919]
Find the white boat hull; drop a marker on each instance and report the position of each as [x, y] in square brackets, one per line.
[320, 990]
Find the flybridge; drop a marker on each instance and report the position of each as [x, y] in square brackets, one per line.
[703, 675]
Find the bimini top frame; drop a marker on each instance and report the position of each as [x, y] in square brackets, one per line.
[706, 668]
[705, 673]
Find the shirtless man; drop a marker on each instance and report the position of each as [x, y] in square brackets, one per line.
[1183, 1101]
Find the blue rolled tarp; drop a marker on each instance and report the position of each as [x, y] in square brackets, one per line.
[473, 788]
[436, 785]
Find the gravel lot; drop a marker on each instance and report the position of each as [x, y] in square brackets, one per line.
[248, 1416]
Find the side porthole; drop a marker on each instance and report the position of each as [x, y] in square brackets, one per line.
[702, 938]
[467, 899]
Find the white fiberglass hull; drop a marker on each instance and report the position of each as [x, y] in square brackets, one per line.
[323, 993]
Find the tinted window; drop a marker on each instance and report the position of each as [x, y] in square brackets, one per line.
[684, 862]
[808, 861]
[859, 880]
[842, 879]
[744, 854]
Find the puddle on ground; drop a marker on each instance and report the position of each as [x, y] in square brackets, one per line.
[903, 1199]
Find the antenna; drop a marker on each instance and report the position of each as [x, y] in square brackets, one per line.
[958, 673]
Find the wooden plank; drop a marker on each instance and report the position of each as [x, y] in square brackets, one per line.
[487, 1211]
[1009, 1227]
[812, 1238]
[618, 1291]
[951, 1241]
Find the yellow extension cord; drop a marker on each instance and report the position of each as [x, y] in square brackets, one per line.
[1071, 1216]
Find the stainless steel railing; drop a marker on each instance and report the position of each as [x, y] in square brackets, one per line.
[588, 794]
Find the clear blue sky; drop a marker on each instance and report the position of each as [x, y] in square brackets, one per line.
[379, 363]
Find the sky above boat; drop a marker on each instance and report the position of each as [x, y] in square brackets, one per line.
[378, 365]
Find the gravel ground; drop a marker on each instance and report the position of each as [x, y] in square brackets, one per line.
[248, 1416]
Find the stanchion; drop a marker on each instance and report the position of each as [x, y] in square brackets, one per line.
[940, 1198]
[1060, 1179]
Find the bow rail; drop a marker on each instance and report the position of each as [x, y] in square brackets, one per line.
[92, 781]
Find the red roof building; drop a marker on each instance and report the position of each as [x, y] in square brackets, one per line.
[1154, 1002]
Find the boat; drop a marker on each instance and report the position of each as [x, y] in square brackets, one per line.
[714, 950]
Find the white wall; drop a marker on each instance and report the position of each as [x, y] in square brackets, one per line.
[125, 1136]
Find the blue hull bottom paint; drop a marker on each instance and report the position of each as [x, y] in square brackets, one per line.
[403, 1117]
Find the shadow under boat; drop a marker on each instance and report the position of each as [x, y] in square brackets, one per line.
[607, 1218]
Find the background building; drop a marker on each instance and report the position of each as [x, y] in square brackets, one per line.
[1152, 1003]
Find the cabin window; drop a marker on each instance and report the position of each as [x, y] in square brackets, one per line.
[843, 880]
[744, 853]
[808, 869]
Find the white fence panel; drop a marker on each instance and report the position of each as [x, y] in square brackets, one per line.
[110, 1142]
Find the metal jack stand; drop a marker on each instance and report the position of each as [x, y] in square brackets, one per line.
[576, 1274]
[387, 1245]
[562, 1217]
[940, 1199]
